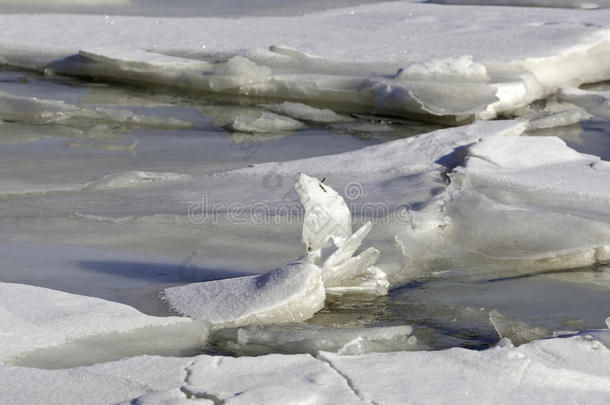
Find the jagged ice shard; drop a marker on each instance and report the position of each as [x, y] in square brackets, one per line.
[294, 292]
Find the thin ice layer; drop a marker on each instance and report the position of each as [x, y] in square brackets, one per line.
[42, 111]
[303, 338]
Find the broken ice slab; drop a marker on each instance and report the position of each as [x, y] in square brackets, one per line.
[303, 338]
[265, 123]
[457, 79]
[43, 327]
[517, 332]
[41, 111]
[289, 294]
[305, 112]
[595, 102]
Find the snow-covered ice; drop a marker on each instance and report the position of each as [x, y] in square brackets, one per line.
[460, 77]
[558, 370]
[35, 321]
[120, 193]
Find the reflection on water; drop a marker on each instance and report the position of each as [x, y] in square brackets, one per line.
[453, 312]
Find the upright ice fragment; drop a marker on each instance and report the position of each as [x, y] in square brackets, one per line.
[294, 292]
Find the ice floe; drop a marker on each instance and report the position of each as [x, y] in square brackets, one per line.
[456, 80]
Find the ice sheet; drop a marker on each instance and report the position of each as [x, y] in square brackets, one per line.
[548, 371]
[457, 79]
[545, 371]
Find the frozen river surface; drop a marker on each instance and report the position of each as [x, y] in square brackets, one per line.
[213, 201]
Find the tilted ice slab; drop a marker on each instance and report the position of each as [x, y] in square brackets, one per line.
[545, 371]
[515, 192]
[400, 58]
[289, 294]
[42, 326]
[595, 102]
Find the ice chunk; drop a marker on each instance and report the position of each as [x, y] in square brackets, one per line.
[461, 100]
[306, 113]
[240, 74]
[553, 115]
[44, 326]
[327, 216]
[518, 332]
[266, 122]
[450, 69]
[303, 338]
[595, 102]
[289, 294]
[140, 66]
[513, 194]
